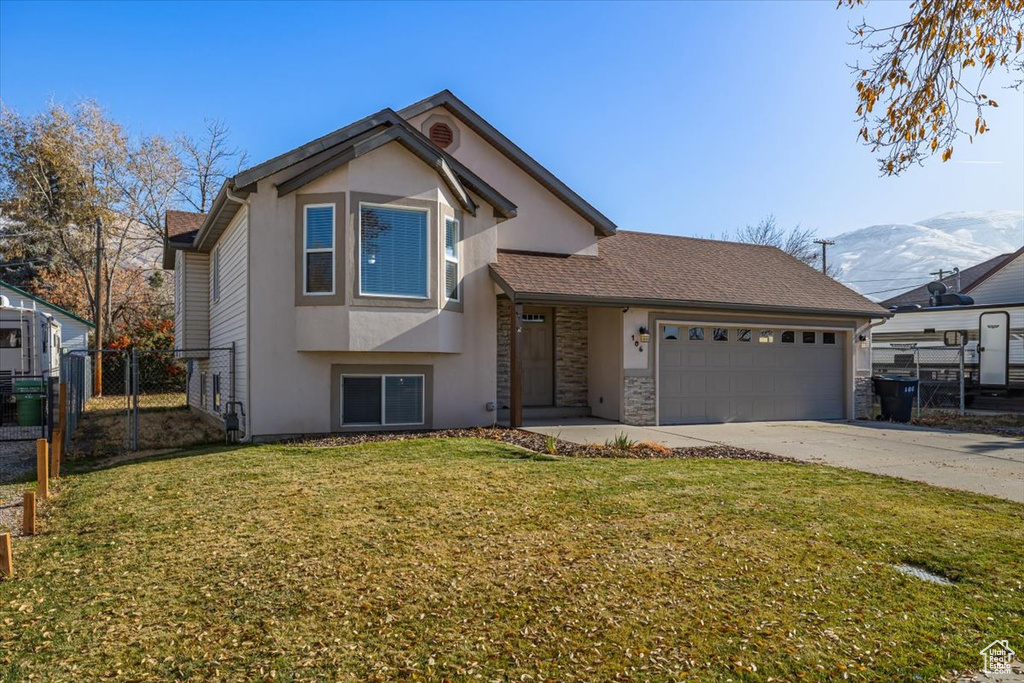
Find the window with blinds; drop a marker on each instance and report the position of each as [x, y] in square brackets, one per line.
[382, 400]
[452, 238]
[392, 251]
[318, 259]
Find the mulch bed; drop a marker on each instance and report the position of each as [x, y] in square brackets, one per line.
[538, 443]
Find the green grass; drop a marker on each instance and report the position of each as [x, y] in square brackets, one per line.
[459, 559]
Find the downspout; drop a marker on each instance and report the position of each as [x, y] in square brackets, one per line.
[231, 196]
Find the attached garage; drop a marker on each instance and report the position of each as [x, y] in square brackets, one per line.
[707, 373]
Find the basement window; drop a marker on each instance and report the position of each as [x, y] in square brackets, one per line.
[216, 392]
[373, 400]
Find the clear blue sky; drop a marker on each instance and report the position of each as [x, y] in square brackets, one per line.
[680, 118]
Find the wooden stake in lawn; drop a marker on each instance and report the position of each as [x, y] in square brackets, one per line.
[58, 434]
[28, 517]
[42, 469]
[6, 560]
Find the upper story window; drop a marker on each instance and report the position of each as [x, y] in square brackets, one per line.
[318, 244]
[393, 251]
[452, 239]
[215, 275]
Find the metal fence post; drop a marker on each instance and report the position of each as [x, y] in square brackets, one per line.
[962, 401]
[917, 374]
[135, 399]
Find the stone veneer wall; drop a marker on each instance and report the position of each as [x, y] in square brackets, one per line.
[864, 399]
[571, 356]
[638, 400]
[570, 351]
[504, 339]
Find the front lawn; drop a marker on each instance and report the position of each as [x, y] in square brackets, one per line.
[468, 559]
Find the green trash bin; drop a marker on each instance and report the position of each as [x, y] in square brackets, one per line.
[28, 393]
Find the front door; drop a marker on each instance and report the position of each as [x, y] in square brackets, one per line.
[993, 349]
[538, 356]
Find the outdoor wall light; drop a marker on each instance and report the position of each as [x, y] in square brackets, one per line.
[642, 336]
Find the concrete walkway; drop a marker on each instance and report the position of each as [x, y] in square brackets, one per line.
[992, 465]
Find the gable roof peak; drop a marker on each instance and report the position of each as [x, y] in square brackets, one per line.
[479, 125]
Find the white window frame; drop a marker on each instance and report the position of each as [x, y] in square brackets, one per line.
[306, 250]
[359, 251]
[215, 273]
[456, 259]
[383, 400]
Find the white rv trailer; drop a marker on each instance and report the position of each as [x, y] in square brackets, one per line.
[994, 357]
[29, 342]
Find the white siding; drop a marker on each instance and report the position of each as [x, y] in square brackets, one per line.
[1003, 287]
[229, 315]
[191, 301]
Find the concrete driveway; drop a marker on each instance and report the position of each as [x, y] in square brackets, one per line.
[992, 465]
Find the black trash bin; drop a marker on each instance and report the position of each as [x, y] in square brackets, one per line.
[896, 394]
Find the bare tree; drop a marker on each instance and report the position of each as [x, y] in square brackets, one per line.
[208, 160]
[798, 242]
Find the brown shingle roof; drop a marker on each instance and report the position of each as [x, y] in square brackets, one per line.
[968, 278]
[180, 222]
[667, 270]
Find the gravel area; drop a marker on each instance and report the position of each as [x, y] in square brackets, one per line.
[543, 445]
[17, 458]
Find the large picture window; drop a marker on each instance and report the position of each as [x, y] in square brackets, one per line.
[381, 399]
[452, 238]
[318, 246]
[392, 251]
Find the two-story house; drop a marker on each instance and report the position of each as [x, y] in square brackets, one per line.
[417, 269]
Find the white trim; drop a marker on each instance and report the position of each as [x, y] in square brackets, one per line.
[306, 250]
[457, 259]
[383, 400]
[359, 250]
[215, 274]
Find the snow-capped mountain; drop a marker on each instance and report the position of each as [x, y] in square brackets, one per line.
[884, 260]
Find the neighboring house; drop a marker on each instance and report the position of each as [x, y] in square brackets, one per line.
[994, 322]
[417, 269]
[74, 330]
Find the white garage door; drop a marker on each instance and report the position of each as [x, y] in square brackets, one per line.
[745, 374]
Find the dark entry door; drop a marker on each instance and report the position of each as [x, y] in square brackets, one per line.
[538, 357]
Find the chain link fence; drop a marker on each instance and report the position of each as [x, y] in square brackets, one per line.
[149, 399]
[938, 369]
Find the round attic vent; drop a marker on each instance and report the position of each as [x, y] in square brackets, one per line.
[441, 135]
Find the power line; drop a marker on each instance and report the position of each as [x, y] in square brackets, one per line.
[883, 291]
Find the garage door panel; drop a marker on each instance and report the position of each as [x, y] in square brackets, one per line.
[733, 381]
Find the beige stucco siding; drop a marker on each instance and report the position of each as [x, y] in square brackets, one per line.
[228, 315]
[543, 222]
[605, 363]
[294, 347]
